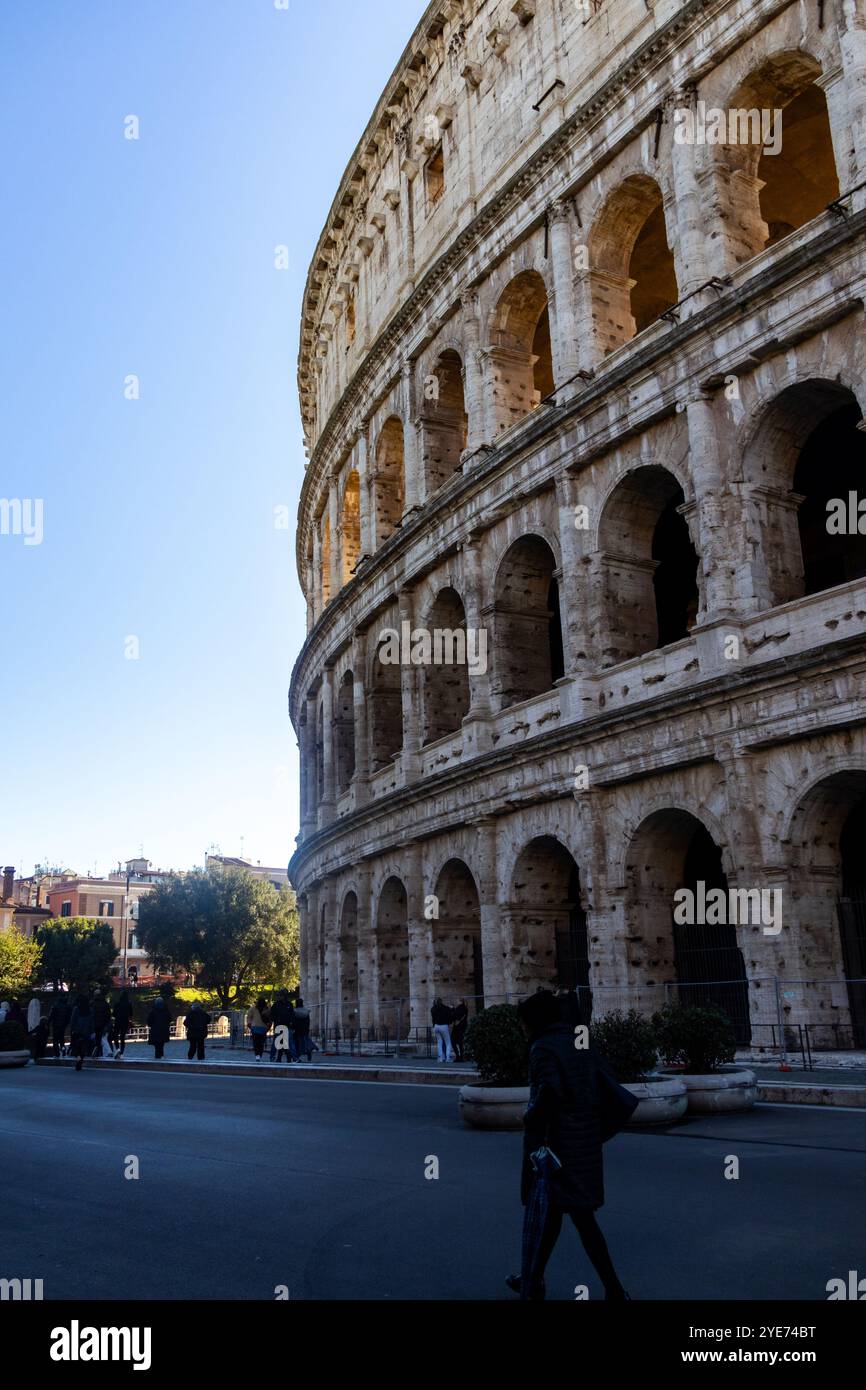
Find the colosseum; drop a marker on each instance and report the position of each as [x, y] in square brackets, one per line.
[582, 376]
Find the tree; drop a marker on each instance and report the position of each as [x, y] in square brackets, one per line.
[19, 960]
[76, 952]
[224, 925]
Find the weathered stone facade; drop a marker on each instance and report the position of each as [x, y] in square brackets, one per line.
[582, 386]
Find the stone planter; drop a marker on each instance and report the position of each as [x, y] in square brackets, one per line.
[660, 1102]
[15, 1059]
[720, 1091]
[493, 1107]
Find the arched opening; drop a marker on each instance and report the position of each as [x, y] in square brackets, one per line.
[389, 484]
[774, 180]
[392, 951]
[350, 1009]
[320, 751]
[344, 732]
[548, 921]
[827, 884]
[527, 623]
[673, 851]
[385, 706]
[444, 421]
[458, 971]
[807, 456]
[632, 275]
[351, 525]
[446, 681]
[650, 566]
[520, 350]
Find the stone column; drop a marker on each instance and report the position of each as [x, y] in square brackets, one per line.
[474, 390]
[317, 595]
[332, 1010]
[717, 556]
[311, 812]
[579, 636]
[326, 809]
[567, 356]
[368, 540]
[368, 984]
[361, 778]
[493, 943]
[413, 483]
[336, 568]
[411, 699]
[310, 987]
[420, 940]
[476, 724]
[690, 233]
[852, 41]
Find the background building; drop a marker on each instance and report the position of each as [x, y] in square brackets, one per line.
[587, 387]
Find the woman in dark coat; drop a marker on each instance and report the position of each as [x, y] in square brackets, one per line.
[81, 1030]
[159, 1023]
[122, 1020]
[565, 1114]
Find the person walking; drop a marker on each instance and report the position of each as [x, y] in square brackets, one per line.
[81, 1030]
[122, 1021]
[159, 1027]
[15, 1014]
[196, 1024]
[101, 1021]
[572, 1103]
[441, 1016]
[58, 1018]
[258, 1019]
[302, 1031]
[283, 1017]
[459, 1023]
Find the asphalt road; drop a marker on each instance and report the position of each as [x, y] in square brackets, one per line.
[246, 1184]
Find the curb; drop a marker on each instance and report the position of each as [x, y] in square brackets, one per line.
[316, 1072]
[783, 1093]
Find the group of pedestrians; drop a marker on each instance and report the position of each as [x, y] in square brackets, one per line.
[449, 1029]
[289, 1026]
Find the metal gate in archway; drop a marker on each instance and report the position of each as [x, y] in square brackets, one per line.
[852, 929]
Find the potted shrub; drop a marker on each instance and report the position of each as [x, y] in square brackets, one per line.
[14, 1049]
[497, 1044]
[698, 1043]
[628, 1043]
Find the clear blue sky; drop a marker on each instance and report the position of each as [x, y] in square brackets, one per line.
[155, 257]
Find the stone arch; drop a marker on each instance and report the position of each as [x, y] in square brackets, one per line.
[826, 834]
[443, 420]
[457, 962]
[672, 849]
[385, 703]
[765, 196]
[649, 567]
[349, 991]
[547, 920]
[527, 640]
[350, 525]
[389, 485]
[392, 956]
[344, 731]
[632, 278]
[521, 361]
[805, 450]
[445, 683]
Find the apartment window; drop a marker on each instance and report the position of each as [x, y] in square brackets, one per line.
[106, 907]
[66, 908]
[434, 177]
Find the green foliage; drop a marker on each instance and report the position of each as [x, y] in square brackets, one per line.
[76, 952]
[13, 1037]
[225, 926]
[496, 1042]
[628, 1042]
[700, 1039]
[19, 961]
